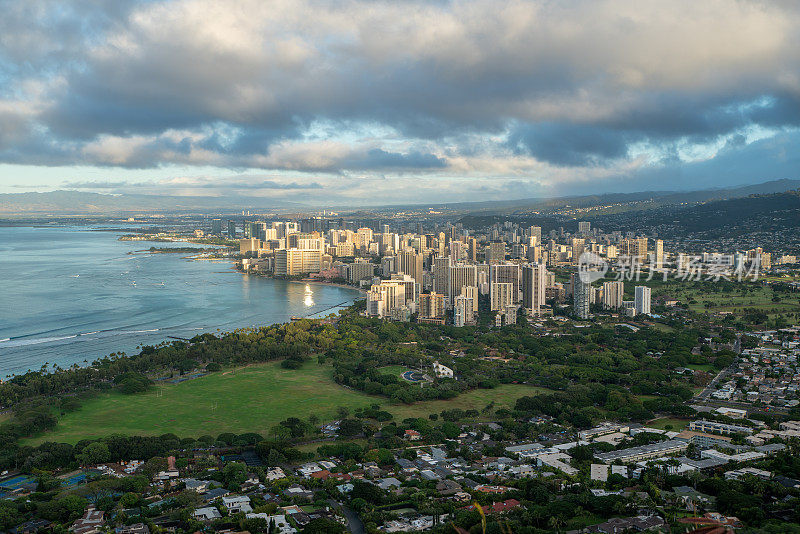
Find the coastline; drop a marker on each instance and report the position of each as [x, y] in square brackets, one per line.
[97, 260]
[301, 281]
[332, 284]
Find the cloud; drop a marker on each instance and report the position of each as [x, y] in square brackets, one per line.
[544, 92]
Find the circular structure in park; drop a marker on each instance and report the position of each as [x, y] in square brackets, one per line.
[413, 376]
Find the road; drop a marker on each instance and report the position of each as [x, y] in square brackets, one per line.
[704, 397]
[721, 377]
[354, 523]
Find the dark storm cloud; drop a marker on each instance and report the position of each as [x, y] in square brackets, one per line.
[569, 144]
[349, 86]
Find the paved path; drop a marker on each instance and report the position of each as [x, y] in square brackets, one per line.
[354, 523]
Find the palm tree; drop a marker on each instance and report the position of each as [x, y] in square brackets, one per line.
[556, 522]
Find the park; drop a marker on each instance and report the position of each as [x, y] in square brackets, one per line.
[253, 398]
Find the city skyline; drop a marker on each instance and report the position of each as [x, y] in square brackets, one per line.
[438, 102]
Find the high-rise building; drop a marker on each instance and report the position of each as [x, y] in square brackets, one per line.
[284, 228]
[613, 294]
[584, 227]
[471, 292]
[231, 229]
[463, 311]
[577, 249]
[410, 287]
[581, 294]
[533, 288]
[249, 246]
[501, 295]
[384, 298]
[441, 274]
[360, 270]
[506, 273]
[472, 254]
[535, 254]
[496, 252]
[431, 305]
[410, 263]
[295, 261]
[461, 276]
[635, 247]
[216, 226]
[535, 231]
[659, 259]
[363, 238]
[456, 249]
[641, 300]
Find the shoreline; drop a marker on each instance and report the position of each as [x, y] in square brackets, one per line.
[301, 281]
[94, 345]
[331, 284]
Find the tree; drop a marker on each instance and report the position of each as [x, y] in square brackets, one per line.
[323, 526]
[275, 458]
[94, 453]
[129, 500]
[233, 474]
[350, 427]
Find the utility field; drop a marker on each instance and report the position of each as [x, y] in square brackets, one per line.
[249, 399]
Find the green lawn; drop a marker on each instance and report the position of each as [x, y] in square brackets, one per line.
[394, 370]
[737, 302]
[677, 424]
[504, 395]
[251, 399]
[705, 367]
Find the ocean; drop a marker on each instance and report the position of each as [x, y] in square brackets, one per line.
[72, 294]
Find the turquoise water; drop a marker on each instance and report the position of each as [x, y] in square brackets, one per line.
[71, 295]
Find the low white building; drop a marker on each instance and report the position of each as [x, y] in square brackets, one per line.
[275, 473]
[599, 472]
[237, 503]
[442, 371]
[207, 513]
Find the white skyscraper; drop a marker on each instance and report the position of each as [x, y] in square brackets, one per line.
[506, 273]
[641, 300]
[501, 295]
[463, 311]
[659, 259]
[613, 294]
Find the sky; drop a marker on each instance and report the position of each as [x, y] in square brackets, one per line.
[381, 102]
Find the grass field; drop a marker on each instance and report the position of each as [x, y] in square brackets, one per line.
[394, 370]
[503, 396]
[677, 424]
[253, 399]
[736, 302]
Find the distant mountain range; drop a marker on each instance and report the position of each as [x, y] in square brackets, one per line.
[623, 201]
[66, 203]
[753, 214]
